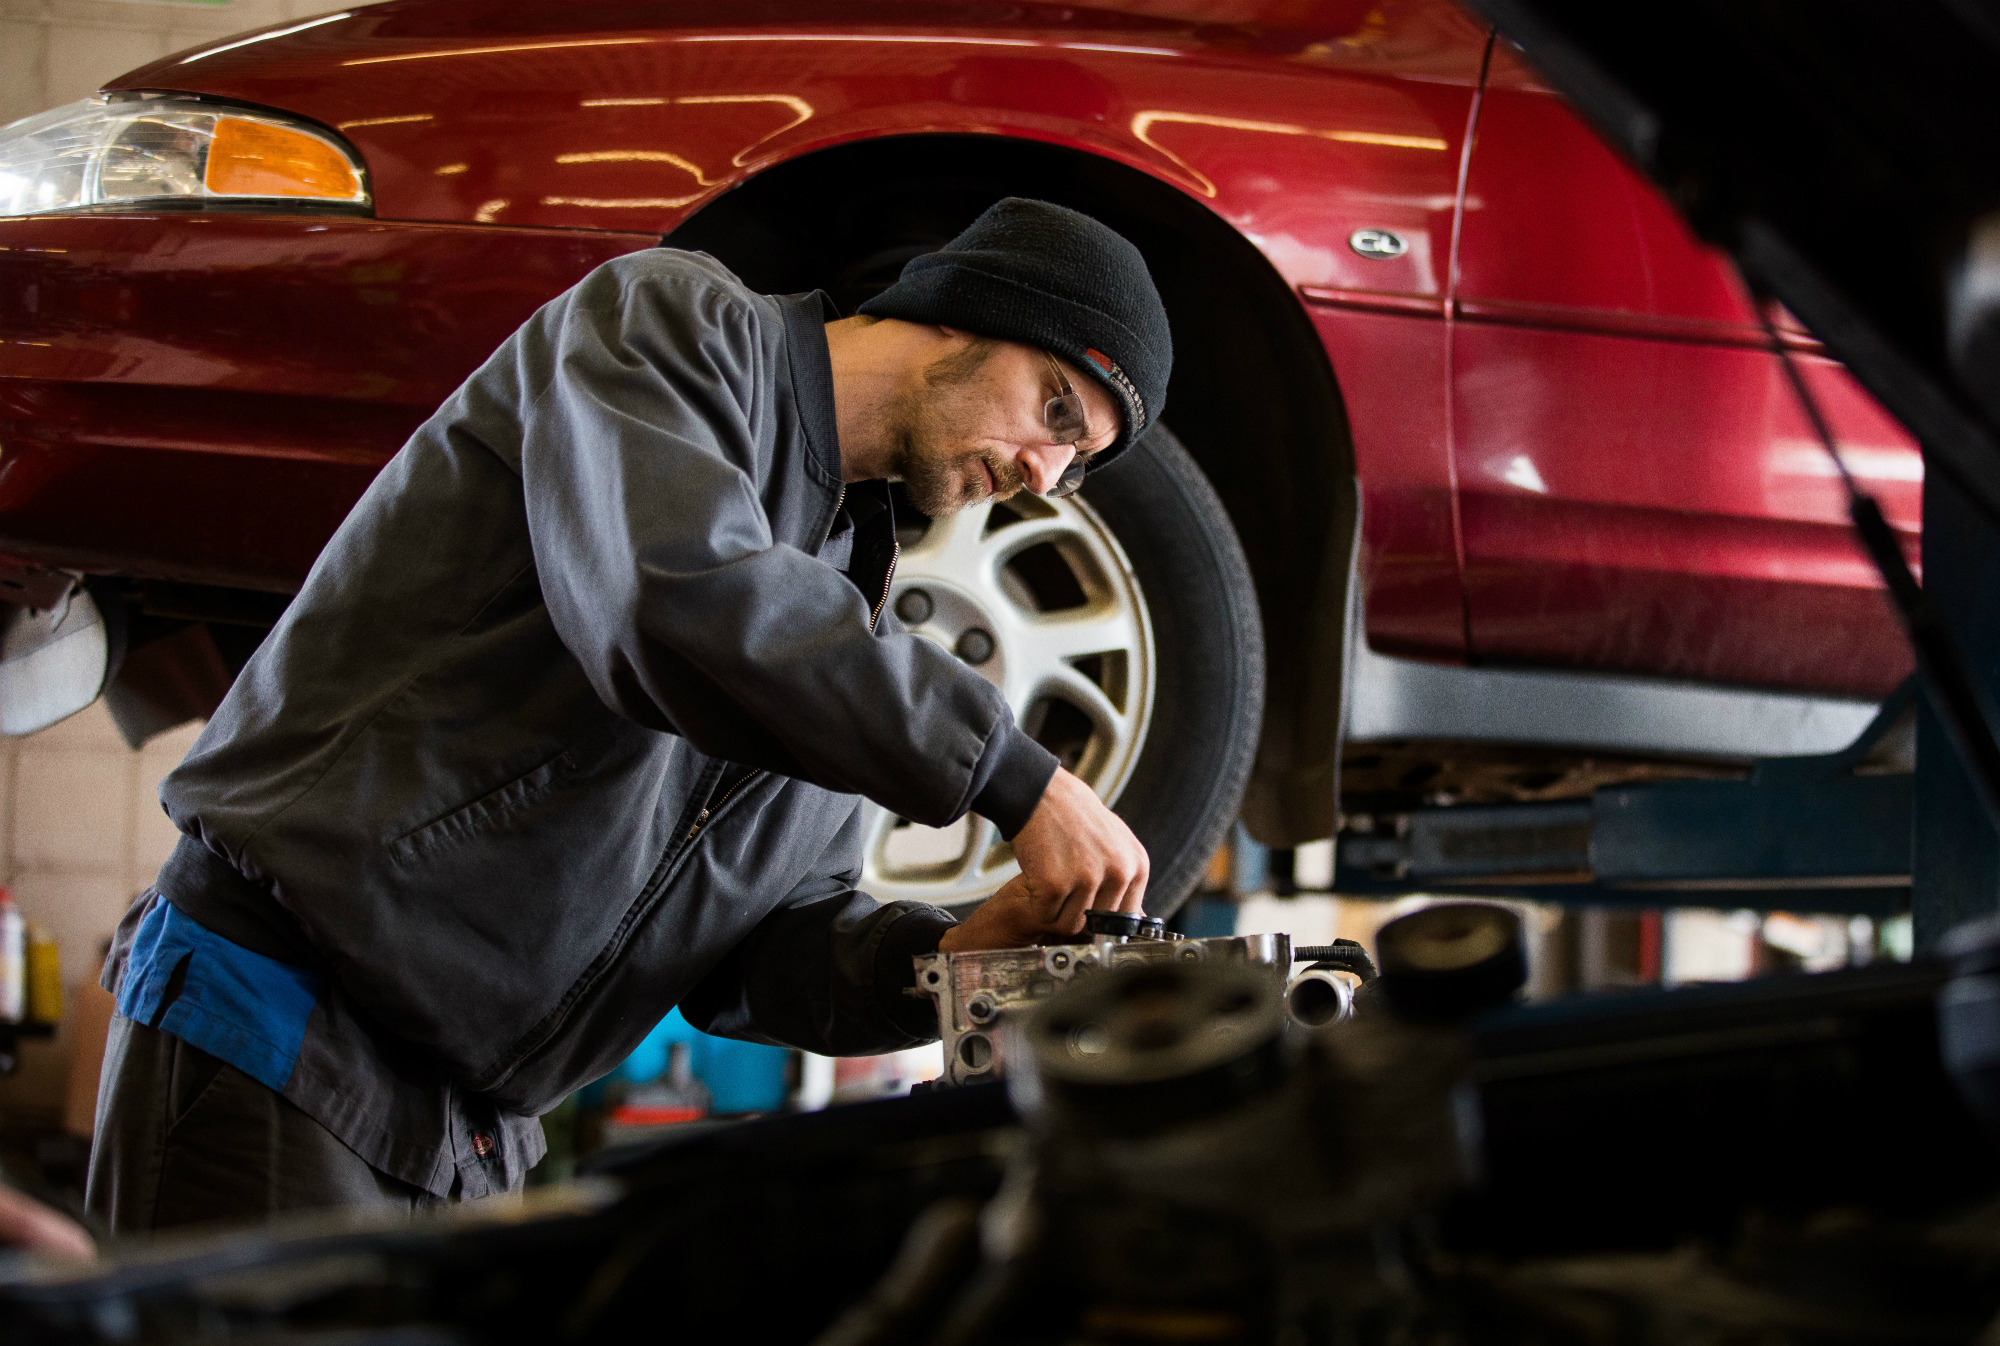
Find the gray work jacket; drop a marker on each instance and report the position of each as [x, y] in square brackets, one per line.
[568, 725]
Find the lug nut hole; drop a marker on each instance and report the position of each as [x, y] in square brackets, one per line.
[975, 646]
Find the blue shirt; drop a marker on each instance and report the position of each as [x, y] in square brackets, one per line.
[238, 1006]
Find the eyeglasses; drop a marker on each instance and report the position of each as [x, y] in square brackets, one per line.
[1064, 416]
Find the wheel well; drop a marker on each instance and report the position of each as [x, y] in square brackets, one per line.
[1252, 396]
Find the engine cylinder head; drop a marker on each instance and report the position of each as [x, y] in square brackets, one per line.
[1155, 1044]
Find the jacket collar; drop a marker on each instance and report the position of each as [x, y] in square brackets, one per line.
[806, 316]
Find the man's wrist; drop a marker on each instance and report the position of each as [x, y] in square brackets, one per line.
[968, 936]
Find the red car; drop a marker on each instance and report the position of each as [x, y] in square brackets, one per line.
[1474, 452]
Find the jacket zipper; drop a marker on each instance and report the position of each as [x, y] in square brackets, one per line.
[701, 819]
[666, 872]
[888, 578]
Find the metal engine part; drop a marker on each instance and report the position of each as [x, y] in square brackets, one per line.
[1171, 1163]
[1272, 1178]
[1319, 996]
[976, 993]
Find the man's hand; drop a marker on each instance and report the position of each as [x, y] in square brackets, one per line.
[27, 1223]
[1075, 855]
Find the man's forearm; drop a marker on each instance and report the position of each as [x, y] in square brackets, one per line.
[827, 975]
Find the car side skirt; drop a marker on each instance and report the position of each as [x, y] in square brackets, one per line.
[1393, 699]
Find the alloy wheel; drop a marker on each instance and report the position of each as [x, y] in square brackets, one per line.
[1038, 598]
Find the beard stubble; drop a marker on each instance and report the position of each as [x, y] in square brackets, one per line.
[939, 481]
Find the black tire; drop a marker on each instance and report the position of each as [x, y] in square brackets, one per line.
[1208, 639]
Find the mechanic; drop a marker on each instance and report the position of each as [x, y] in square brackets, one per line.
[567, 726]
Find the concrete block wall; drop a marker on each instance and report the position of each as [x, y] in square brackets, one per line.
[81, 829]
[81, 832]
[81, 825]
[57, 51]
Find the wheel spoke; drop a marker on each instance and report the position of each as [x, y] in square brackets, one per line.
[1016, 538]
[951, 546]
[1048, 639]
[1071, 686]
[876, 823]
[984, 837]
[880, 826]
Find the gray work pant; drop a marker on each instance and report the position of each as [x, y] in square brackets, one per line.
[183, 1138]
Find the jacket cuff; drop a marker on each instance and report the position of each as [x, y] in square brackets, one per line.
[1009, 781]
[914, 933]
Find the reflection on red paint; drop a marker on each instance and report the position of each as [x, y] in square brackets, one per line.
[1573, 451]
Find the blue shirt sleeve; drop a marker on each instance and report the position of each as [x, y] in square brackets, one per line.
[236, 1005]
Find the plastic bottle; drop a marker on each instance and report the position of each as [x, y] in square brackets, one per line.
[44, 977]
[13, 961]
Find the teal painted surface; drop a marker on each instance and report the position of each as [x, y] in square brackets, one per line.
[1206, 918]
[742, 1076]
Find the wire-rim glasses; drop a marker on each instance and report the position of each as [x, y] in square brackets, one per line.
[1067, 423]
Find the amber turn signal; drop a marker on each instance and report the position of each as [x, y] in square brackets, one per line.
[249, 158]
[155, 149]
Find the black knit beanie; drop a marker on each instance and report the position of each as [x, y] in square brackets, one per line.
[1049, 276]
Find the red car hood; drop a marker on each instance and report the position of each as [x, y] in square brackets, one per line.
[333, 44]
[481, 88]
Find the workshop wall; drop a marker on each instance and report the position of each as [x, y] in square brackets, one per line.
[81, 829]
[81, 832]
[57, 51]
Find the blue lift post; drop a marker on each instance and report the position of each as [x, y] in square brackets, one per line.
[1828, 833]
[1894, 822]
[1956, 851]
[1906, 817]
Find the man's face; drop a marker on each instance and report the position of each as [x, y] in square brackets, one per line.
[973, 426]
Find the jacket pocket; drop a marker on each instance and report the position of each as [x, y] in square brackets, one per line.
[484, 813]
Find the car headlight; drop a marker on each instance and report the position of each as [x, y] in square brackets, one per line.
[151, 151]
